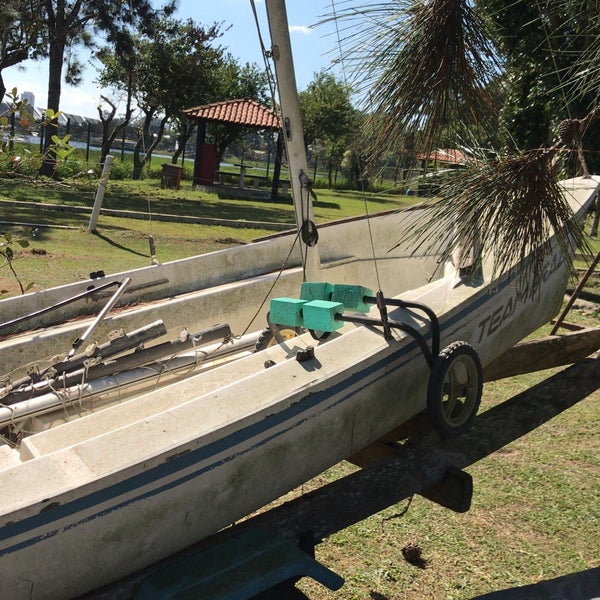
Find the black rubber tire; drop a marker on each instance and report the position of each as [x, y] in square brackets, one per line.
[455, 389]
[319, 335]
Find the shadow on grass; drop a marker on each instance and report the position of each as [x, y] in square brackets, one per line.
[119, 246]
[284, 200]
[588, 296]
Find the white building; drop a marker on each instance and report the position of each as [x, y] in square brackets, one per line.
[30, 97]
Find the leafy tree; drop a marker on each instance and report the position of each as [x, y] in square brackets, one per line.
[20, 34]
[73, 23]
[432, 65]
[543, 67]
[233, 82]
[172, 61]
[119, 67]
[329, 118]
[425, 66]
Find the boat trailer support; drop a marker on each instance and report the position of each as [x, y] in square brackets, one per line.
[237, 567]
[578, 289]
[454, 490]
[418, 466]
[427, 353]
[433, 320]
[387, 324]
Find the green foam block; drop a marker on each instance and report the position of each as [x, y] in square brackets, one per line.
[316, 290]
[286, 311]
[319, 315]
[351, 296]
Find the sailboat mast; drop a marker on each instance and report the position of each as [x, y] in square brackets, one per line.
[281, 51]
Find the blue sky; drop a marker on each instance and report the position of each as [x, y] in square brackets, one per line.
[312, 47]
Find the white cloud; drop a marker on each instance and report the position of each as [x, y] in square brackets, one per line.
[81, 100]
[303, 29]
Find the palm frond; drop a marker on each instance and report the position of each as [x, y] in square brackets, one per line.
[507, 208]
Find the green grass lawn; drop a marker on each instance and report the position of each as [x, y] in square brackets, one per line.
[61, 249]
[534, 516]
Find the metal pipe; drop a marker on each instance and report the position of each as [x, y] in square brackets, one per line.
[25, 387]
[37, 313]
[115, 297]
[10, 415]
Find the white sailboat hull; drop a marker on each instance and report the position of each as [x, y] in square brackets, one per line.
[97, 497]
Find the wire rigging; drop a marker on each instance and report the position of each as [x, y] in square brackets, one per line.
[265, 54]
[553, 56]
[358, 156]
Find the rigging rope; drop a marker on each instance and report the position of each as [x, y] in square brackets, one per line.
[358, 156]
[268, 294]
[552, 55]
[265, 55]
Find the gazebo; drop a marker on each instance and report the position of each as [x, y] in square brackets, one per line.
[242, 112]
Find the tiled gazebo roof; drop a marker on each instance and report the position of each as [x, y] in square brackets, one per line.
[451, 156]
[241, 112]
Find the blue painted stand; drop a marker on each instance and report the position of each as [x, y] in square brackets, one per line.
[237, 568]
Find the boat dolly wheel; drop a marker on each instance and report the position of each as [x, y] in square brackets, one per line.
[455, 389]
[274, 334]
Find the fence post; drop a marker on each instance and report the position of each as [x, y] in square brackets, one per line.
[100, 193]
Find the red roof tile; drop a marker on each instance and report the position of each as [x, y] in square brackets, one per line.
[242, 112]
[445, 156]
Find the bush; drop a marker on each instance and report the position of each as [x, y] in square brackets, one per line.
[19, 162]
[121, 169]
[72, 169]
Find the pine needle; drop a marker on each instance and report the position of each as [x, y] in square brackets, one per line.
[508, 208]
[428, 65]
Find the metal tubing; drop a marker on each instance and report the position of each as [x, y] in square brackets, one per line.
[37, 313]
[429, 357]
[433, 320]
[115, 297]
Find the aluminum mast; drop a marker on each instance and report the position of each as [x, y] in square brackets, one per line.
[281, 52]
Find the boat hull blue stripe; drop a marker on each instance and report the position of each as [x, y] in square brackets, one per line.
[352, 385]
[187, 460]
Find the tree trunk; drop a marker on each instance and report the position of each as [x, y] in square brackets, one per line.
[182, 140]
[594, 229]
[108, 138]
[138, 161]
[55, 66]
[219, 154]
[2, 87]
[145, 144]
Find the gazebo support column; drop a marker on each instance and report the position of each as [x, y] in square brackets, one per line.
[277, 166]
[200, 139]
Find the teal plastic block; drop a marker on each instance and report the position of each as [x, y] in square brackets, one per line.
[286, 311]
[351, 296]
[316, 290]
[319, 315]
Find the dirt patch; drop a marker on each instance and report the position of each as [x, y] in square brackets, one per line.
[9, 286]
